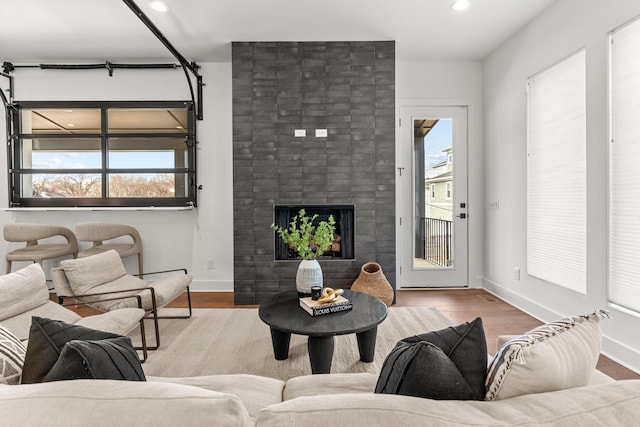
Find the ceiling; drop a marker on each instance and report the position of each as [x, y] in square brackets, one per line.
[40, 31]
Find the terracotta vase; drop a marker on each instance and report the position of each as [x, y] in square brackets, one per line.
[309, 274]
[372, 281]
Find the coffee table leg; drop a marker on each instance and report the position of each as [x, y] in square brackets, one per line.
[280, 341]
[320, 354]
[367, 344]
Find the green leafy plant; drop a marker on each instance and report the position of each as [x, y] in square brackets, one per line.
[308, 240]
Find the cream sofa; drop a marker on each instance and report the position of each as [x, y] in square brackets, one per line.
[313, 400]
[245, 400]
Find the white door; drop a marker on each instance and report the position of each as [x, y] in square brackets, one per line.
[433, 196]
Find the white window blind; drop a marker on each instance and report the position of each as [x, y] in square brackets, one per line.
[624, 168]
[556, 174]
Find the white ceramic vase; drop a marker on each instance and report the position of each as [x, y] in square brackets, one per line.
[309, 274]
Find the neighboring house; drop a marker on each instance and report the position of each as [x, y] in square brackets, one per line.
[438, 186]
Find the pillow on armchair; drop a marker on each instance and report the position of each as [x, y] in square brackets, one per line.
[84, 274]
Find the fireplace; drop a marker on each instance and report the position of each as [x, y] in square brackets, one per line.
[343, 246]
[345, 88]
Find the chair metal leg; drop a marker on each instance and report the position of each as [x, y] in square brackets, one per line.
[144, 346]
[153, 314]
[189, 305]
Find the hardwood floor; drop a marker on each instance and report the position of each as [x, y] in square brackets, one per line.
[460, 305]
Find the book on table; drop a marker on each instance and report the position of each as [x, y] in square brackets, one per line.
[315, 308]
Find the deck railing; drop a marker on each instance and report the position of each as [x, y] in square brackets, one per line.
[437, 241]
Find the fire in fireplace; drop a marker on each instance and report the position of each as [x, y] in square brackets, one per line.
[343, 246]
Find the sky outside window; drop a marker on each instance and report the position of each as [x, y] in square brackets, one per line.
[93, 160]
[438, 139]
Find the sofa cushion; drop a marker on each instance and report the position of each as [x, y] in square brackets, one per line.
[12, 353]
[109, 359]
[256, 392]
[447, 364]
[46, 340]
[108, 403]
[613, 404]
[84, 274]
[22, 291]
[555, 356]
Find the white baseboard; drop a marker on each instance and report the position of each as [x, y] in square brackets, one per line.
[616, 351]
[212, 286]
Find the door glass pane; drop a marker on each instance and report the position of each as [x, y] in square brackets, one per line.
[433, 197]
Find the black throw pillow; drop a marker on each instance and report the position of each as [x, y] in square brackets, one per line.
[111, 359]
[47, 338]
[449, 364]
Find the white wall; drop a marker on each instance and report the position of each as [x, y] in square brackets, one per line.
[449, 84]
[188, 238]
[565, 27]
[170, 238]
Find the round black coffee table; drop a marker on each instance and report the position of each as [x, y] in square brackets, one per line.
[283, 314]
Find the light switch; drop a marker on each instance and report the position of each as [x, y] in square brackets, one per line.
[300, 132]
[321, 133]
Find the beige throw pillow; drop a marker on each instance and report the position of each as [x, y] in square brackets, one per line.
[12, 353]
[84, 274]
[555, 356]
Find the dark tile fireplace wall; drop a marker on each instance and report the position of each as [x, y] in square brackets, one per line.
[347, 88]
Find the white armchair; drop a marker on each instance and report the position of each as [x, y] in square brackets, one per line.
[103, 276]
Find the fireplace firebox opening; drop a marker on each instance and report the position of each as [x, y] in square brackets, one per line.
[343, 246]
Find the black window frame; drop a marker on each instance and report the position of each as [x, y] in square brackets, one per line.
[14, 156]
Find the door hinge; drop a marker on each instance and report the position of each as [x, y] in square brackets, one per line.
[401, 270]
[399, 122]
[401, 221]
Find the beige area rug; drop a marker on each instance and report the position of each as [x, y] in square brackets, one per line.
[230, 341]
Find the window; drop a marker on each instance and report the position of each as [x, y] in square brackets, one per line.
[448, 190]
[102, 154]
[433, 191]
[556, 174]
[624, 174]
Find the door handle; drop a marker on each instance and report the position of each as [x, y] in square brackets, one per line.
[462, 215]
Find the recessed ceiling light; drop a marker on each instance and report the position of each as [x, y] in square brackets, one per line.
[460, 5]
[159, 6]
